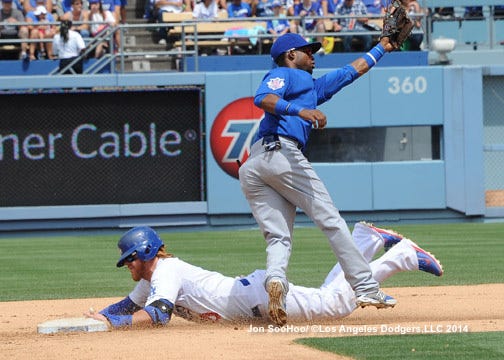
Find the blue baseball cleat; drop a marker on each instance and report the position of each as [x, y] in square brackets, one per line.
[427, 262]
[390, 237]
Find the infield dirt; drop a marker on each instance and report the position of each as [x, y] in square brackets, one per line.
[419, 310]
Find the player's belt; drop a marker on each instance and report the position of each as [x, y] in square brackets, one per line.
[273, 142]
[297, 143]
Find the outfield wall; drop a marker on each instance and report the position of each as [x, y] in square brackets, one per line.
[451, 187]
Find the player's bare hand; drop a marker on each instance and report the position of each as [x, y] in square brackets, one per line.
[91, 313]
[386, 44]
[316, 117]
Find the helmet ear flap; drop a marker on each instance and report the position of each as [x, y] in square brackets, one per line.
[144, 252]
[148, 249]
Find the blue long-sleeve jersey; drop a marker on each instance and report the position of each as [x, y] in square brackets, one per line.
[300, 88]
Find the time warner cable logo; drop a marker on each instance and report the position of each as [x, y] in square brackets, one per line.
[88, 141]
[232, 133]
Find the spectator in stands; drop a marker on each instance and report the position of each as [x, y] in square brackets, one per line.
[239, 9]
[18, 4]
[279, 25]
[151, 8]
[289, 6]
[68, 46]
[328, 10]
[357, 8]
[304, 9]
[121, 10]
[9, 14]
[261, 8]
[473, 12]
[498, 11]
[445, 13]
[206, 10]
[414, 40]
[110, 5]
[330, 5]
[98, 15]
[376, 7]
[41, 29]
[31, 5]
[222, 4]
[117, 8]
[61, 7]
[170, 6]
[173, 6]
[78, 14]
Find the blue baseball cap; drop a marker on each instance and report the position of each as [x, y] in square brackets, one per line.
[291, 41]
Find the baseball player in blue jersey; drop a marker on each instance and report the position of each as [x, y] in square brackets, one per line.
[277, 177]
[168, 286]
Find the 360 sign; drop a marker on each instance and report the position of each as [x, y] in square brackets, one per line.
[418, 85]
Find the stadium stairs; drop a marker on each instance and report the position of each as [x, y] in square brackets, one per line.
[141, 40]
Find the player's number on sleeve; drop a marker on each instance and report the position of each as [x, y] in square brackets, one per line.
[407, 85]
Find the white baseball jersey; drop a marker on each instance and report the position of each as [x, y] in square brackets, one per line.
[199, 294]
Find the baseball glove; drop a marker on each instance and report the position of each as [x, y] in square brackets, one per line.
[397, 25]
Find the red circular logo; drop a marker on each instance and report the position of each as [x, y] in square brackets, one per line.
[232, 133]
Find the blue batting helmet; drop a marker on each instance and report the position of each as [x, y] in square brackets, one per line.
[141, 241]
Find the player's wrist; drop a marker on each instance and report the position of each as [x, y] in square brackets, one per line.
[385, 42]
[115, 319]
[374, 55]
[118, 320]
[294, 109]
[283, 107]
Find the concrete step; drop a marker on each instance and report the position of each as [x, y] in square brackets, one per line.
[161, 63]
[145, 48]
[135, 9]
[138, 39]
[132, 13]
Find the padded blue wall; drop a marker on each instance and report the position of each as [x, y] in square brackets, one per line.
[368, 102]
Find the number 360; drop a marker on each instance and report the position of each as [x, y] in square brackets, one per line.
[407, 85]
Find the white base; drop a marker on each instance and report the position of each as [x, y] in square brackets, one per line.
[71, 325]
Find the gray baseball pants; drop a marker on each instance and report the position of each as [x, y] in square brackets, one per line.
[275, 183]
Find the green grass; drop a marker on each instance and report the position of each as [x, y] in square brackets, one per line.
[52, 267]
[469, 253]
[459, 346]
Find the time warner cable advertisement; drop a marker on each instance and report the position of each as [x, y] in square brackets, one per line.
[101, 148]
